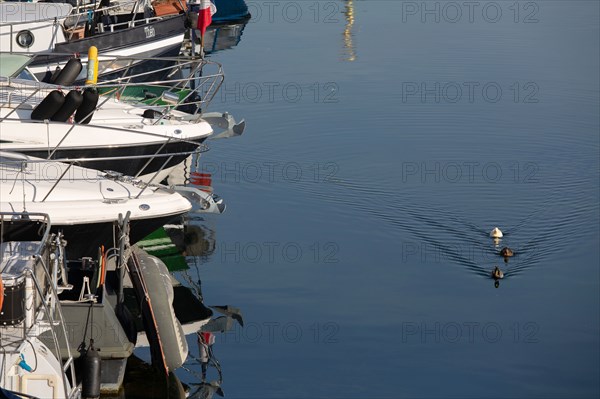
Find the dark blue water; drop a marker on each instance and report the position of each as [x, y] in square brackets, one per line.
[385, 140]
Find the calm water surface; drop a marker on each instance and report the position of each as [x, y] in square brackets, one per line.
[382, 147]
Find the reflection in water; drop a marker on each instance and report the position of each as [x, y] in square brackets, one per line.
[184, 247]
[349, 50]
[196, 242]
[206, 390]
[206, 341]
[191, 239]
[221, 37]
[145, 382]
[180, 175]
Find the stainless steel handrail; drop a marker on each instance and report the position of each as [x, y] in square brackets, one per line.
[194, 81]
[48, 301]
[77, 12]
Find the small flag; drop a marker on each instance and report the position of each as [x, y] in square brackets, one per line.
[205, 13]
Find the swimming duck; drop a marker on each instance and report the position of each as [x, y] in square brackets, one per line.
[496, 233]
[506, 252]
[497, 273]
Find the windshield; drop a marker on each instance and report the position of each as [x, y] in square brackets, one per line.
[12, 64]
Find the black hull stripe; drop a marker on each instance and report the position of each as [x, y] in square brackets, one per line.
[126, 166]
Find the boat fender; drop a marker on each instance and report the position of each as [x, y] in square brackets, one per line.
[86, 110]
[50, 77]
[90, 382]
[92, 66]
[72, 101]
[69, 73]
[48, 106]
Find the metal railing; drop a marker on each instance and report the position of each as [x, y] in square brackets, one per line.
[171, 83]
[44, 275]
[187, 89]
[78, 17]
[19, 169]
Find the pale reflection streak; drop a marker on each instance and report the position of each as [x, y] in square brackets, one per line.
[349, 49]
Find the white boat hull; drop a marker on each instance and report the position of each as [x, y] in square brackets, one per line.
[46, 381]
[83, 203]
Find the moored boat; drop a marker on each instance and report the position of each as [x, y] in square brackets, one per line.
[125, 28]
[29, 284]
[85, 203]
[131, 128]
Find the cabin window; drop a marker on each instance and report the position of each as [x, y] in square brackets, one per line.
[25, 38]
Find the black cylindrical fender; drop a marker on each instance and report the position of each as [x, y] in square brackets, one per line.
[48, 106]
[50, 75]
[90, 378]
[72, 101]
[69, 73]
[88, 106]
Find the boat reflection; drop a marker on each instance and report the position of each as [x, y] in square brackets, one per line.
[221, 37]
[183, 248]
[230, 10]
[142, 380]
[193, 240]
[206, 390]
